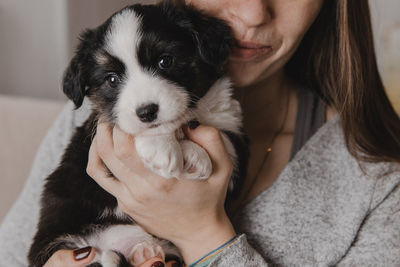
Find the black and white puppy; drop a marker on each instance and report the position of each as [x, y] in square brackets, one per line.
[148, 69]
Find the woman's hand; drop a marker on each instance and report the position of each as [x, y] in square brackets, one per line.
[190, 213]
[83, 257]
[71, 258]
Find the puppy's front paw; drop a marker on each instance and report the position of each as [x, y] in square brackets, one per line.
[197, 163]
[145, 251]
[161, 154]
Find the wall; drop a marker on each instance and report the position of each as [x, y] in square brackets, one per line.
[33, 47]
[37, 39]
[386, 23]
[89, 14]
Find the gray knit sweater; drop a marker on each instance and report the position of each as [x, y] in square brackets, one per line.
[323, 210]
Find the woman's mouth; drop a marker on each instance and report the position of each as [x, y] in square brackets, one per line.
[249, 50]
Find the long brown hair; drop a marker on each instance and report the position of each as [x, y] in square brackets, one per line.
[337, 60]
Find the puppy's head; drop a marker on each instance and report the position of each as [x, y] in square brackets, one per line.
[148, 65]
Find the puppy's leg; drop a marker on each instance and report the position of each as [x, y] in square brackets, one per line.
[161, 154]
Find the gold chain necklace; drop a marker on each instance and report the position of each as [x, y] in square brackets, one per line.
[269, 147]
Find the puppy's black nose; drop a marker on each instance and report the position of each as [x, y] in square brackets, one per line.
[147, 113]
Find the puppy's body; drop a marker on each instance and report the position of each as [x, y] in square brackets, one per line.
[149, 70]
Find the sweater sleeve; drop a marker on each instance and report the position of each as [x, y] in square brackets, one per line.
[19, 226]
[378, 240]
[239, 253]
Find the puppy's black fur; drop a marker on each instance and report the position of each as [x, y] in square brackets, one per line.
[72, 202]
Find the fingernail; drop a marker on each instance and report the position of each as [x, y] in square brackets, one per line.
[158, 264]
[82, 253]
[193, 124]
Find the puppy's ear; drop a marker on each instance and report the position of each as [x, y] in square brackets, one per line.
[73, 84]
[76, 75]
[214, 39]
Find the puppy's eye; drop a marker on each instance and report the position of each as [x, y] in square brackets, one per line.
[113, 80]
[165, 62]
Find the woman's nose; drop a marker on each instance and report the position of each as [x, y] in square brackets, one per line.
[251, 13]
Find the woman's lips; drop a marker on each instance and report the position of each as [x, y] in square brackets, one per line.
[249, 50]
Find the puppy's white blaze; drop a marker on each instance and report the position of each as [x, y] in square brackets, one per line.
[141, 87]
[123, 37]
[122, 40]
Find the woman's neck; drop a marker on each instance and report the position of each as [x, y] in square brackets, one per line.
[269, 110]
[264, 106]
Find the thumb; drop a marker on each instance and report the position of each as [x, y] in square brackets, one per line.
[74, 258]
[211, 140]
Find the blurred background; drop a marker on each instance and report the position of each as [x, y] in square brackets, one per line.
[37, 40]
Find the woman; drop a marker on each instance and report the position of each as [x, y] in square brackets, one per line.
[315, 193]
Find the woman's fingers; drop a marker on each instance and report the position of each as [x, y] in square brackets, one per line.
[134, 183]
[102, 153]
[104, 146]
[124, 148]
[211, 140]
[116, 150]
[69, 258]
[123, 143]
[102, 175]
[84, 256]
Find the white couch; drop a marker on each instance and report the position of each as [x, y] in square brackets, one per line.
[23, 124]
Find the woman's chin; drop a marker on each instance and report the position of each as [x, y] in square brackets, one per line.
[242, 79]
[244, 75]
